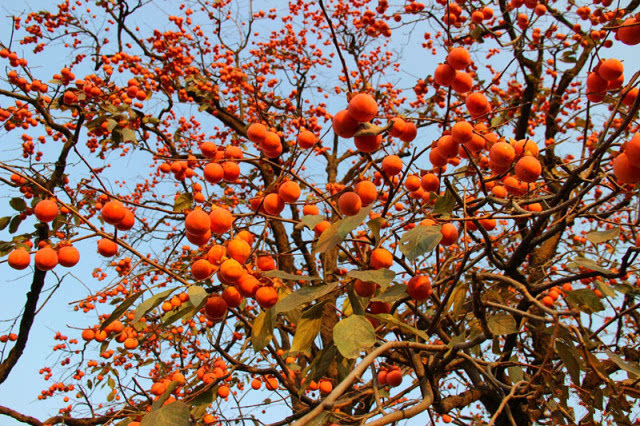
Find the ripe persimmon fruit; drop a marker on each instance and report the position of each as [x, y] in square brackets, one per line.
[107, 248]
[306, 139]
[220, 220]
[113, 212]
[392, 165]
[528, 169]
[46, 259]
[369, 143]
[289, 191]
[610, 69]
[266, 297]
[381, 258]
[215, 308]
[68, 256]
[502, 154]
[349, 203]
[201, 269]
[273, 204]
[365, 288]
[367, 192]
[19, 259]
[362, 107]
[419, 287]
[197, 222]
[46, 210]
[444, 75]
[239, 250]
[343, 125]
[459, 58]
[230, 271]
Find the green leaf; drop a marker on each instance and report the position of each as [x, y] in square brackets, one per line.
[302, 296]
[165, 395]
[151, 303]
[183, 202]
[7, 247]
[205, 398]
[570, 359]
[444, 204]
[502, 324]
[262, 331]
[382, 277]
[197, 294]
[393, 293]
[187, 310]
[339, 230]
[598, 237]
[585, 300]
[275, 273]
[310, 221]
[4, 222]
[18, 204]
[516, 374]
[121, 309]
[320, 364]
[419, 240]
[457, 299]
[589, 264]
[174, 414]
[307, 328]
[353, 334]
[626, 366]
[356, 303]
[128, 135]
[375, 225]
[392, 321]
[605, 289]
[14, 224]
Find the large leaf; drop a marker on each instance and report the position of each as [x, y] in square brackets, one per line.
[589, 264]
[286, 276]
[121, 309]
[14, 224]
[4, 222]
[605, 289]
[457, 298]
[173, 414]
[382, 277]
[187, 310]
[151, 303]
[197, 294]
[393, 293]
[183, 202]
[339, 230]
[375, 225]
[18, 204]
[353, 334]
[585, 299]
[502, 324]
[262, 331]
[310, 221]
[420, 240]
[307, 328]
[392, 321]
[633, 368]
[320, 365]
[444, 204]
[598, 237]
[302, 296]
[570, 359]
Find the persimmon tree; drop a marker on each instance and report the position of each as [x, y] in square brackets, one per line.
[328, 212]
